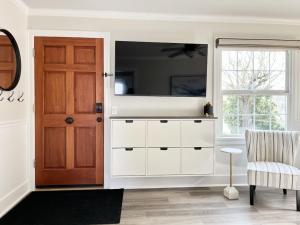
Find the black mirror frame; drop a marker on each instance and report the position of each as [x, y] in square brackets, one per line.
[18, 60]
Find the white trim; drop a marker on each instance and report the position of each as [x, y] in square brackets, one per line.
[21, 5]
[15, 196]
[13, 123]
[177, 182]
[159, 16]
[294, 119]
[31, 88]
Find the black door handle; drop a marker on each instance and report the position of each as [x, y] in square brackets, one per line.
[69, 120]
[99, 119]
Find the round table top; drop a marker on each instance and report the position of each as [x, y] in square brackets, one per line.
[232, 150]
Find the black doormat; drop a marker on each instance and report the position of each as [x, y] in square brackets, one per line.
[67, 208]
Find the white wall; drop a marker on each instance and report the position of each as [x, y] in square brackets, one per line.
[13, 127]
[163, 31]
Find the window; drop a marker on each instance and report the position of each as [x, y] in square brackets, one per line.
[254, 90]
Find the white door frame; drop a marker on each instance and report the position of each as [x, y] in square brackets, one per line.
[30, 86]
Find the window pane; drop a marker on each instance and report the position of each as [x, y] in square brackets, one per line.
[262, 104]
[261, 80]
[246, 104]
[230, 104]
[245, 60]
[229, 60]
[261, 60]
[278, 60]
[279, 104]
[229, 80]
[244, 71]
[278, 122]
[262, 122]
[277, 80]
[245, 80]
[245, 122]
[230, 124]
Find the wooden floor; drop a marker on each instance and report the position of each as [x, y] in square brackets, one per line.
[208, 206]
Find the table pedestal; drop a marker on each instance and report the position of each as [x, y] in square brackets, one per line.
[231, 192]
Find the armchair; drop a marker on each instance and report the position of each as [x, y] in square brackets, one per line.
[272, 156]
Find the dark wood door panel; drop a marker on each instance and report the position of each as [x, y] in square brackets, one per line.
[84, 55]
[85, 147]
[80, 120]
[55, 148]
[55, 54]
[54, 92]
[85, 92]
[68, 177]
[70, 67]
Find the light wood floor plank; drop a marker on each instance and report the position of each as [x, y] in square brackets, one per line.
[198, 206]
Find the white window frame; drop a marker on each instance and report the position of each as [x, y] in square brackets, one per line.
[219, 93]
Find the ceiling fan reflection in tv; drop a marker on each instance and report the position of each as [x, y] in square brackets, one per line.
[189, 50]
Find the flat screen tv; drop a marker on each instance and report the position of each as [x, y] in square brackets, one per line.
[160, 69]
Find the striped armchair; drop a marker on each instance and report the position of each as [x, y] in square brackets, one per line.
[271, 161]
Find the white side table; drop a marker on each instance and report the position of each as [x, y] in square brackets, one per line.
[231, 192]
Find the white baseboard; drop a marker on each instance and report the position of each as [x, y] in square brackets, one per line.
[13, 198]
[175, 182]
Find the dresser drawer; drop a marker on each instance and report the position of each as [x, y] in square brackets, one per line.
[129, 162]
[163, 133]
[128, 133]
[197, 161]
[163, 161]
[197, 133]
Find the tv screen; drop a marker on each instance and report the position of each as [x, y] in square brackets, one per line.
[160, 69]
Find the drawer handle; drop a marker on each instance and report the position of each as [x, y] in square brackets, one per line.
[129, 121]
[198, 148]
[128, 149]
[197, 121]
[164, 121]
[163, 148]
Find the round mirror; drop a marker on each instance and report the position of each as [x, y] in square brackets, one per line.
[10, 61]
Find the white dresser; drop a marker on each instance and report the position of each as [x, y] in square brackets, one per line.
[154, 146]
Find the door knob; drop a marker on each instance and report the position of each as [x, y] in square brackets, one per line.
[69, 120]
[99, 119]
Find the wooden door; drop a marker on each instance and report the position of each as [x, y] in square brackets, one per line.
[69, 129]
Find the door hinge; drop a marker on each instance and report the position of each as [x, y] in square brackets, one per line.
[33, 108]
[33, 52]
[34, 163]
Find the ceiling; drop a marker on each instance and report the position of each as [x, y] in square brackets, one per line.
[269, 9]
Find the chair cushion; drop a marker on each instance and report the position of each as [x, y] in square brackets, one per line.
[275, 175]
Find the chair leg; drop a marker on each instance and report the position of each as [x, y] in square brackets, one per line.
[298, 200]
[284, 191]
[252, 193]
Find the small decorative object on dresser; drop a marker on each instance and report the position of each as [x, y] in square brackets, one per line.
[231, 192]
[208, 109]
